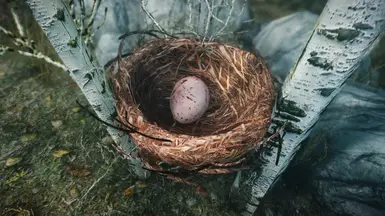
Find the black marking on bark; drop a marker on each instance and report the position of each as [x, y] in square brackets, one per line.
[291, 108]
[288, 116]
[362, 26]
[320, 62]
[72, 43]
[341, 34]
[313, 53]
[103, 88]
[60, 15]
[290, 127]
[326, 92]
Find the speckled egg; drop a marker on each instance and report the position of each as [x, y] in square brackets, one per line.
[189, 100]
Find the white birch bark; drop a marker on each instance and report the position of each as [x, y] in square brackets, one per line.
[346, 31]
[87, 74]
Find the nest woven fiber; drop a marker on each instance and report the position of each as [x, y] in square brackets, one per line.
[241, 100]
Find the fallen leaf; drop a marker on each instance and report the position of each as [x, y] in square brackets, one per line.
[77, 171]
[48, 100]
[19, 108]
[13, 161]
[60, 153]
[129, 191]
[83, 122]
[16, 177]
[201, 191]
[74, 192]
[57, 124]
[76, 109]
[28, 137]
[2, 74]
[140, 184]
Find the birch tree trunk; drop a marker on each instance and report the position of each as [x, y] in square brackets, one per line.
[54, 18]
[346, 31]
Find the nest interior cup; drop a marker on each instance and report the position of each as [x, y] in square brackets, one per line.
[239, 113]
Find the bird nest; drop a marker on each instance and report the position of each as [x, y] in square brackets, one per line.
[239, 113]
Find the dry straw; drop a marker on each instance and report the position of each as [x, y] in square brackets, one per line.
[239, 114]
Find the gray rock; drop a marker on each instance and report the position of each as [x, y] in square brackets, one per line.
[191, 201]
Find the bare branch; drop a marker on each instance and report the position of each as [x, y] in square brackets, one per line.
[208, 20]
[18, 25]
[226, 22]
[152, 17]
[95, 8]
[28, 45]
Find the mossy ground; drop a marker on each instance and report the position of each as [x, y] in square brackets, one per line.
[39, 116]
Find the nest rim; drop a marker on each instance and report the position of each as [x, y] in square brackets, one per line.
[240, 77]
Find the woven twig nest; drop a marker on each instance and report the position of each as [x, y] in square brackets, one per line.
[241, 99]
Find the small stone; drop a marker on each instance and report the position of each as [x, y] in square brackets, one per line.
[57, 123]
[179, 197]
[213, 197]
[35, 190]
[191, 202]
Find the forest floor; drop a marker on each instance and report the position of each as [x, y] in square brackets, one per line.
[57, 160]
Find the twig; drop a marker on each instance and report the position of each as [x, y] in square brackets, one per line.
[18, 25]
[129, 130]
[191, 30]
[226, 22]
[97, 181]
[24, 43]
[208, 20]
[152, 18]
[95, 8]
[39, 55]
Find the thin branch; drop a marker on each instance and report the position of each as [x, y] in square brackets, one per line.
[28, 45]
[226, 22]
[152, 17]
[95, 8]
[208, 19]
[97, 181]
[18, 25]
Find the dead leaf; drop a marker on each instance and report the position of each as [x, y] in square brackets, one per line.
[129, 191]
[28, 137]
[57, 124]
[140, 184]
[19, 108]
[13, 161]
[48, 100]
[77, 171]
[74, 192]
[201, 191]
[2, 74]
[75, 109]
[16, 177]
[60, 153]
